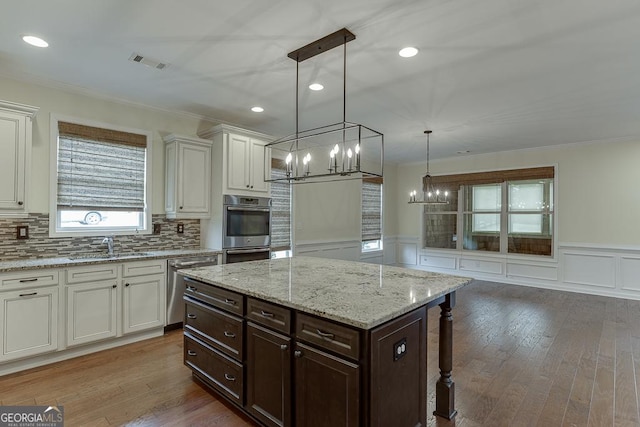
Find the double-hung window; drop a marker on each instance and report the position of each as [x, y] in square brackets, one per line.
[280, 211]
[503, 211]
[101, 180]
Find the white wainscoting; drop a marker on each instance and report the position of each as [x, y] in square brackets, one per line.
[592, 269]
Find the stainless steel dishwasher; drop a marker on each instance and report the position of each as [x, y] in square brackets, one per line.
[175, 286]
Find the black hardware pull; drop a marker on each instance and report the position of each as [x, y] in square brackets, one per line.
[127, 284]
[28, 280]
[29, 295]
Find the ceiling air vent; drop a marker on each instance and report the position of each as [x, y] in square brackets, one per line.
[136, 57]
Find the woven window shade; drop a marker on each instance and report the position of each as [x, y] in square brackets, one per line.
[280, 208]
[100, 169]
[371, 209]
[453, 182]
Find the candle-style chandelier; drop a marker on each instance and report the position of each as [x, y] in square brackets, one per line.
[342, 150]
[430, 194]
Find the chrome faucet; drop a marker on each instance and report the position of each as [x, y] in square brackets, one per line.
[109, 241]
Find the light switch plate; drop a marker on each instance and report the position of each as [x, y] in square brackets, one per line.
[22, 232]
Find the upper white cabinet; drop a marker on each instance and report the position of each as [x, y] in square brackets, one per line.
[241, 159]
[188, 177]
[15, 162]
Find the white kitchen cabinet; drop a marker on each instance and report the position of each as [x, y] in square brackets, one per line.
[144, 296]
[28, 322]
[188, 177]
[15, 162]
[241, 163]
[92, 311]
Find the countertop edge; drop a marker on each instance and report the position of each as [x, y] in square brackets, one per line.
[62, 262]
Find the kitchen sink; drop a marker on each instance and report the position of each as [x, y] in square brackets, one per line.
[100, 256]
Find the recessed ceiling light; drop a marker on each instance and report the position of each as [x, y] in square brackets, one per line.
[35, 41]
[408, 52]
[257, 109]
[316, 86]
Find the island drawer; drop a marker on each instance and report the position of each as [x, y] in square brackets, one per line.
[331, 336]
[270, 315]
[221, 298]
[220, 330]
[220, 372]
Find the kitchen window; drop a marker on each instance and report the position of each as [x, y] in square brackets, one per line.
[100, 180]
[280, 211]
[503, 211]
[371, 214]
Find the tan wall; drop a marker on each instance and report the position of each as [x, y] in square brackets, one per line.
[598, 198]
[85, 106]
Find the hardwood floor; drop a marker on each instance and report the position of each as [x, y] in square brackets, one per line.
[522, 357]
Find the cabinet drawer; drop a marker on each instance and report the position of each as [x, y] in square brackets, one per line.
[220, 372]
[92, 273]
[331, 336]
[143, 268]
[216, 328]
[270, 315]
[30, 278]
[220, 298]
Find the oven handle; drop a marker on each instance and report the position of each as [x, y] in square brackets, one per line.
[247, 251]
[231, 208]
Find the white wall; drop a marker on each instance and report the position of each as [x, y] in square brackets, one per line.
[597, 242]
[598, 200]
[92, 107]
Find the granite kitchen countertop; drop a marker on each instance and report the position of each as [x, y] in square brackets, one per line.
[355, 293]
[99, 258]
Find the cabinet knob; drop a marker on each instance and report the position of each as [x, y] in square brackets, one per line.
[20, 203]
[180, 207]
[297, 354]
[127, 284]
[252, 186]
[283, 347]
[247, 185]
[114, 286]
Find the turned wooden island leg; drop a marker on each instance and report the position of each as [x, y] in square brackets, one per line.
[445, 388]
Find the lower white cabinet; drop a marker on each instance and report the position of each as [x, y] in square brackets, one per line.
[28, 322]
[92, 311]
[106, 306]
[143, 302]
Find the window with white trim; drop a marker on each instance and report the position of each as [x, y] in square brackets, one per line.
[280, 211]
[371, 214]
[101, 179]
[502, 211]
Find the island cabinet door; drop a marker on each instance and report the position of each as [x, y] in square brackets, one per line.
[268, 376]
[327, 389]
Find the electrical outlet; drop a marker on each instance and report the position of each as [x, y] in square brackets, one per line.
[22, 232]
[157, 228]
[180, 228]
[399, 349]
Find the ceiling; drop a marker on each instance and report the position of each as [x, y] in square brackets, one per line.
[490, 76]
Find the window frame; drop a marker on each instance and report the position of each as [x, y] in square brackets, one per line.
[54, 215]
[377, 244]
[469, 179]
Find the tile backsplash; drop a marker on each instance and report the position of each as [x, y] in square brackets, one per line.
[40, 245]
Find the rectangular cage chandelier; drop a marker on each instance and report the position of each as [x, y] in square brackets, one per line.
[337, 151]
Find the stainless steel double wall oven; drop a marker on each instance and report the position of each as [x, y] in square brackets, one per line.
[246, 224]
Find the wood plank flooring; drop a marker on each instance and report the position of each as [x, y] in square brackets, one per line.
[522, 357]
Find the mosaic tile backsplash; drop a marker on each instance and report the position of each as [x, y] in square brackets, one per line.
[40, 245]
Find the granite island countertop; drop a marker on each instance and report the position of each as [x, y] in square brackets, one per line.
[71, 261]
[355, 293]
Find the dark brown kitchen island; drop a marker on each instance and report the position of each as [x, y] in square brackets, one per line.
[315, 342]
